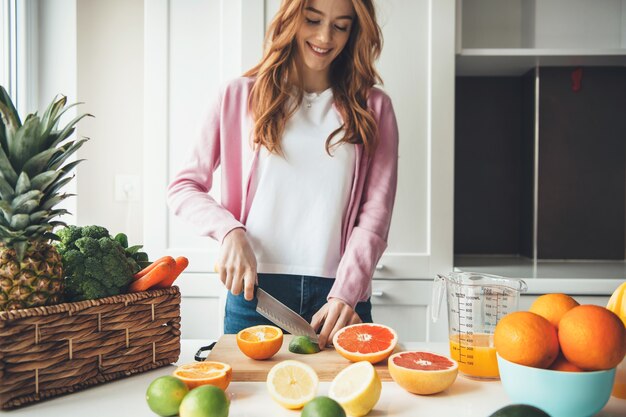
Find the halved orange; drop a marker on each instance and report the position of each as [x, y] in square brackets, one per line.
[260, 342]
[195, 374]
[365, 342]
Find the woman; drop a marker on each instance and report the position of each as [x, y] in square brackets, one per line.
[308, 149]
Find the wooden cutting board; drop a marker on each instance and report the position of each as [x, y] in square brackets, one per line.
[326, 363]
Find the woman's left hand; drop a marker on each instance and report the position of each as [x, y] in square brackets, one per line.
[334, 315]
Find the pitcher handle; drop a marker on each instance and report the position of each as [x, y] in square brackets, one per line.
[439, 290]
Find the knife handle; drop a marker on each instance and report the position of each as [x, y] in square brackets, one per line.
[198, 356]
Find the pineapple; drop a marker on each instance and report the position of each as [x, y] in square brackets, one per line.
[32, 174]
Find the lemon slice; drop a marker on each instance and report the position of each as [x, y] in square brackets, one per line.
[292, 384]
[357, 388]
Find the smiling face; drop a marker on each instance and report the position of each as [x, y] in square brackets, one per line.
[321, 37]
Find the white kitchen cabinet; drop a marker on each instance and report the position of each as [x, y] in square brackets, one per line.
[193, 46]
[405, 305]
[509, 37]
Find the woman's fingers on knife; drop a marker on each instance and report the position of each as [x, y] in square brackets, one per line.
[249, 281]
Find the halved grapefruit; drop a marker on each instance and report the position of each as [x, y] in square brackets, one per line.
[422, 372]
[365, 342]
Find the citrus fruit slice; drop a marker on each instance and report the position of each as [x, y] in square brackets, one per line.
[303, 345]
[365, 342]
[323, 407]
[205, 373]
[422, 372]
[205, 401]
[292, 384]
[357, 388]
[165, 394]
[260, 342]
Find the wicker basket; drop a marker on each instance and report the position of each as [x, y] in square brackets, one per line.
[54, 350]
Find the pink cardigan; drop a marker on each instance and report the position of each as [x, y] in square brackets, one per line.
[224, 141]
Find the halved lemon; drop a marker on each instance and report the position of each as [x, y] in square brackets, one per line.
[195, 374]
[260, 342]
[357, 388]
[292, 384]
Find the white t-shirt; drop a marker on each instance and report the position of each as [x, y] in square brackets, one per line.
[301, 198]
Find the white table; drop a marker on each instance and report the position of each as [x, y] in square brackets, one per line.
[126, 397]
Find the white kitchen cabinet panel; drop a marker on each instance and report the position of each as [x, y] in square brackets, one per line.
[202, 306]
[405, 306]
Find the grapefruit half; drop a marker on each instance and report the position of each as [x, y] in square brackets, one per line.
[365, 342]
[422, 372]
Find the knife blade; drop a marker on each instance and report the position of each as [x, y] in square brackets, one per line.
[282, 316]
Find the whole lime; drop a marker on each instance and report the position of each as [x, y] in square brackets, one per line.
[323, 407]
[165, 394]
[520, 410]
[205, 401]
[302, 344]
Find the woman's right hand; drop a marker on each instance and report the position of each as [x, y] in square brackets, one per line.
[237, 264]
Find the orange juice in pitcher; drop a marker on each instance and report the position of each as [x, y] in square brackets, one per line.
[476, 355]
[476, 302]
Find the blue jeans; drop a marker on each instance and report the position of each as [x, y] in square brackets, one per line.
[303, 294]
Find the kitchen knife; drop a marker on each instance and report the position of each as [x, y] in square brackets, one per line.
[282, 316]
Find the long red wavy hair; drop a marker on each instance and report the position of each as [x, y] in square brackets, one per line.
[352, 75]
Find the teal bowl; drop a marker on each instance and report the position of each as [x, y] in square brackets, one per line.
[560, 394]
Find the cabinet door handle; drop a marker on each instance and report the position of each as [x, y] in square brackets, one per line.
[377, 293]
[380, 267]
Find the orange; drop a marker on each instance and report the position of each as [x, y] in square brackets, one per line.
[260, 342]
[553, 306]
[195, 374]
[592, 337]
[563, 365]
[422, 373]
[365, 342]
[527, 339]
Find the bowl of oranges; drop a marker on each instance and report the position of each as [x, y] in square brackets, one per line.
[560, 356]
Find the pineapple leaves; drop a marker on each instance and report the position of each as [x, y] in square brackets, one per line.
[19, 222]
[39, 162]
[20, 146]
[68, 130]
[22, 198]
[9, 119]
[43, 180]
[50, 116]
[23, 183]
[20, 248]
[34, 170]
[6, 191]
[6, 169]
[68, 149]
[51, 202]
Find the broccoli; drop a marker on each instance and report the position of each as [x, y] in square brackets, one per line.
[95, 265]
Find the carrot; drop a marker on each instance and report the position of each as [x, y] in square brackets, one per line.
[156, 275]
[181, 264]
[153, 265]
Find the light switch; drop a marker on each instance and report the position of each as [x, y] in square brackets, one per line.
[127, 188]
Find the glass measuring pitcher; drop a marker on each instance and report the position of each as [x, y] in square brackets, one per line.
[475, 304]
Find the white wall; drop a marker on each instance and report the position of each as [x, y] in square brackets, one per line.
[57, 66]
[110, 82]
